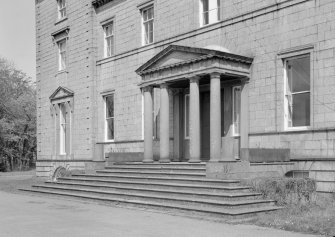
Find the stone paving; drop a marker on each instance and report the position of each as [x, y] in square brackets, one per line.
[25, 215]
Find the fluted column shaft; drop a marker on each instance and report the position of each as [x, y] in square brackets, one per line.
[215, 117]
[194, 120]
[148, 125]
[164, 124]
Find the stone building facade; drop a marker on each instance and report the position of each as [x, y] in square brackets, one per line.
[190, 80]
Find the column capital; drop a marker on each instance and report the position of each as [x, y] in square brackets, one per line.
[163, 85]
[215, 75]
[147, 89]
[194, 79]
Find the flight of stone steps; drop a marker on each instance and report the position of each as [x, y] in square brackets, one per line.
[181, 187]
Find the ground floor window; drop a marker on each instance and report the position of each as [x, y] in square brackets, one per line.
[62, 133]
[109, 117]
[297, 91]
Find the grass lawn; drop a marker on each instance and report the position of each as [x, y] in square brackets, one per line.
[12, 181]
[317, 218]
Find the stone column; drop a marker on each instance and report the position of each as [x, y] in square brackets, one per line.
[194, 120]
[148, 125]
[215, 117]
[164, 125]
[176, 125]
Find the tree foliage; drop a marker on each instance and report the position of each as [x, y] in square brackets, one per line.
[17, 118]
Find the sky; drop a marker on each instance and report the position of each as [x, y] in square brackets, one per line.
[17, 34]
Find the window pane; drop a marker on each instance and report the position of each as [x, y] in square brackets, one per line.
[150, 13]
[298, 74]
[109, 30]
[145, 15]
[301, 109]
[187, 116]
[110, 129]
[110, 106]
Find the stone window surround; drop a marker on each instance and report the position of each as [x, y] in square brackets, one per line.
[104, 24]
[142, 8]
[57, 37]
[289, 54]
[67, 100]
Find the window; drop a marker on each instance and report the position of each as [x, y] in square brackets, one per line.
[62, 131]
[62, 55]
[187, 116]
[61, 9]
[236, 110]
[109, 120]
[148, 25]
[297, 91]
[109, 39]
[210, 11]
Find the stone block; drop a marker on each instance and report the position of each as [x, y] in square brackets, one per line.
[259, 155]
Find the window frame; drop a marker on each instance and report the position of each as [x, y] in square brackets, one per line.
[108, 118]
[234, 133]
[286, 94]
[62, 54]
[202, 12]
[108, 54]
[61, 9]
[143, 22]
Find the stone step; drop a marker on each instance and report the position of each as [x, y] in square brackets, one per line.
[180, 180]
[158, 185]
[228, 201]
[152, 173]
[228, 213]
[161, 192]
[162, 165]
[130, 168]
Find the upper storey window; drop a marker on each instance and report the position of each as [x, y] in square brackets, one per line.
[109, 39]
[297, 91]
[61, 9]
[148, 25]
[61, 55]
[209, 11]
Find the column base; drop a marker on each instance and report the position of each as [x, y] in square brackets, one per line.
[148, 161]
[165, 161]
[194, 161]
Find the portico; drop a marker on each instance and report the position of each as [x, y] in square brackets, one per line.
[206, 77]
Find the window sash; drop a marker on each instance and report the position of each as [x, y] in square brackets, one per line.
[148, 25]
[293, 115]
[61, 9]
[62, 132]
[62, 55]
[109, 39]
[209, 13]
[109, 117]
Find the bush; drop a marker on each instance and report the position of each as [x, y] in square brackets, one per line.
[285, 190]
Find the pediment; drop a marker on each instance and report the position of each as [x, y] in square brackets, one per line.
[175, 55]
[61, 92]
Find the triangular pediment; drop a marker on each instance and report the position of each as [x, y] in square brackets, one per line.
[172, 55]
[176, 55]
[61, 92]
